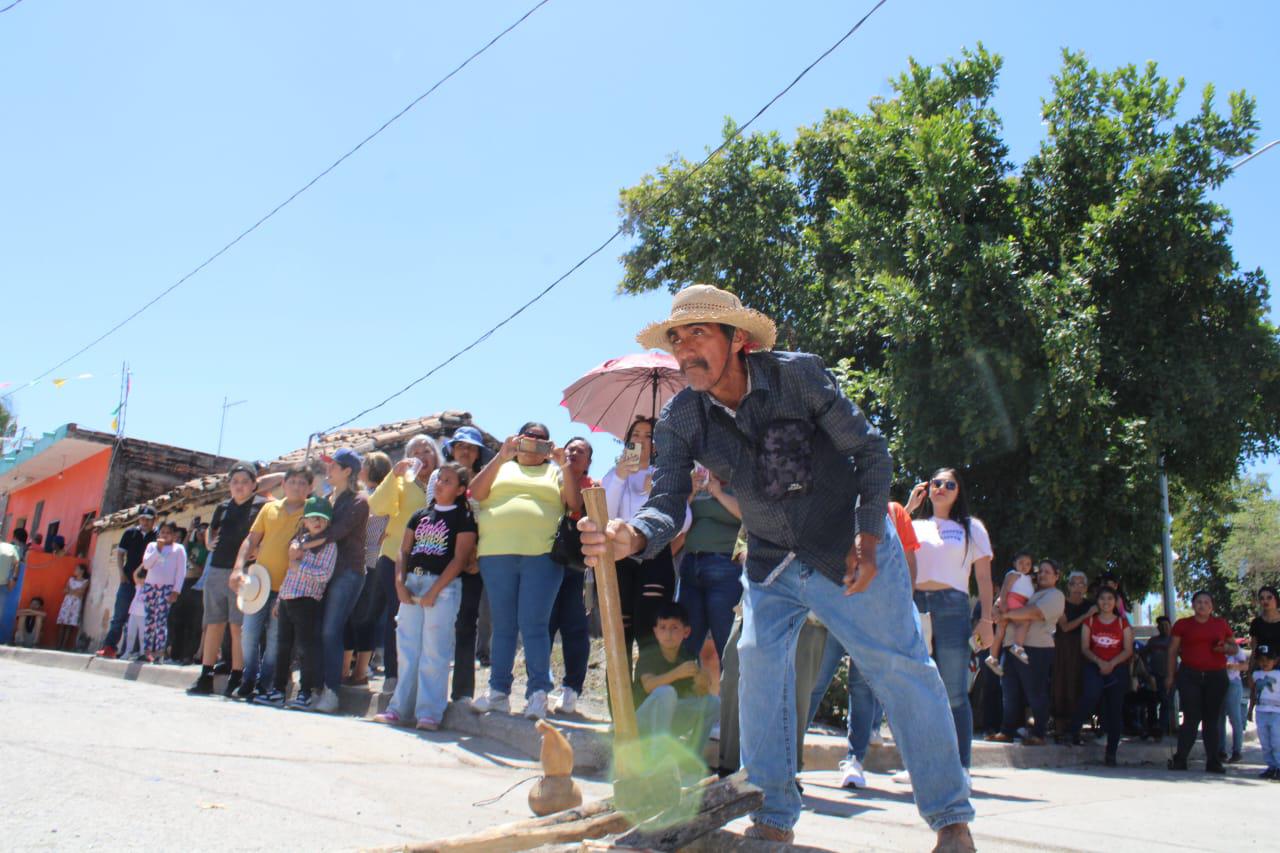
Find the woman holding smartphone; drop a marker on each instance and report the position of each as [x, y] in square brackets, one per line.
[954, 546]
[521, 498]
[643, 585]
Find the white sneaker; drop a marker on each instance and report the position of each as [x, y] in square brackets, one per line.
[876, 738]
[491, 701]
[536, 707]
[851, 775]
[568, 701]
[389, 684]
[327, 703]
[902, 777]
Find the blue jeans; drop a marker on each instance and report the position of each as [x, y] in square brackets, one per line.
[864, 712]
[879, 629]
[1269, 737]
[339, 600]
[522, 590]
[710, 587]
[119, 615]
[569, 620]
[1233, 709]
[663, 711]
[260, 660]
[1026, 684]
[952, 627]
[425, 638]
[1108, 688]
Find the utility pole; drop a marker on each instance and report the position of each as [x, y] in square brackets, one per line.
[1170, 607]
[222, 426]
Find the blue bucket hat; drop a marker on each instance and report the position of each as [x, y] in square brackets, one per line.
[468, 435]
[346, 457]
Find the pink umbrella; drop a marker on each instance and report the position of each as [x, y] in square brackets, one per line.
[609, 397]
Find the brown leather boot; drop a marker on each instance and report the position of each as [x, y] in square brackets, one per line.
[765, 832]
[954, 839]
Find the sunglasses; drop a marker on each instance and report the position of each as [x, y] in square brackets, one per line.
[949, 485]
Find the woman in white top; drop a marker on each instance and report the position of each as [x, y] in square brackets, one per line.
[953, 547]
[642, 585]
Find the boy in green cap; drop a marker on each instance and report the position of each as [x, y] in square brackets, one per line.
[300, 610]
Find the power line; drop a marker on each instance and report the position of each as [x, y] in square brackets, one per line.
[1237, 164]
[616, 234]
[308, 185]
[10, 6]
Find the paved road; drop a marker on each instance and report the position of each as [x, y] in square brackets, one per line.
[100, 763]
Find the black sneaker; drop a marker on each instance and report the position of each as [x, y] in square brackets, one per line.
[1214, 767]
[245, 690]
[1235, 758]
[1269, 773]
[301, 702]
[1176, 763]
[272, 699]
[222, 668]
[203, 686]
[233, 683]
[1109, 759]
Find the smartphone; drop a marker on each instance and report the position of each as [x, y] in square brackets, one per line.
[524, 444]
[631, 453]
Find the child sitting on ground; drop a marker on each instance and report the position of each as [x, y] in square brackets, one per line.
[438, 543]
[26, 632]
[671, 691]
[1016, 590]
[299, 609]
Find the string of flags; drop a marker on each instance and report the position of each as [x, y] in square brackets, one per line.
[56, 382]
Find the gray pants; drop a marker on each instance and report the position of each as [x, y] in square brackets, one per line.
[809, 649]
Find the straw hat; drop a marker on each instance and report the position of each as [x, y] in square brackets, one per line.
[702, 303]
[254, 589]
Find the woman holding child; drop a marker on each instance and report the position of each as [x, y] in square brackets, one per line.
[522, 497]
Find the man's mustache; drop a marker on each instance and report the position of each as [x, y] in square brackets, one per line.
[685, 367]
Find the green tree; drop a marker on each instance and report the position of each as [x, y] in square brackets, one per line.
[1052, 330]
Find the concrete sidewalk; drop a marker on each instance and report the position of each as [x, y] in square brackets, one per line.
[590, 737]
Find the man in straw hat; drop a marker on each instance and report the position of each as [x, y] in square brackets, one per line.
[812, 478]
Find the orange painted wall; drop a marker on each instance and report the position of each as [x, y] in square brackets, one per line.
[66, 500]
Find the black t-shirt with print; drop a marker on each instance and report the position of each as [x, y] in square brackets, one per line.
[1265, 633]
[651, 661]
[134, 544]
[435, 536]
[230, 523]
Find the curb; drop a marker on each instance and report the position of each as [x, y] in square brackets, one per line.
[592, 745]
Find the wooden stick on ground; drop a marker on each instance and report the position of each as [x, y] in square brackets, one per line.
[615, 651]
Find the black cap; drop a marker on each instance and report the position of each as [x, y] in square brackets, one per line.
[1265, 651]
[249, 468]
[146, 512]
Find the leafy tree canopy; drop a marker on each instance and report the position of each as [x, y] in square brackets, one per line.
[1051, 330]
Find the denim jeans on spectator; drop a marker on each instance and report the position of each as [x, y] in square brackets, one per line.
[464, 635]
[386, 568]
[1110, 689]
[1269, 737]
[1233, 709]
[258, 639]
[864, 710]
[119, 615]
[663, 711]
[425, 638]
[522, 590]
[569, 620]
[1025, 684]
[952, 626]
[880, 630]
[339, 600]
[710, 587]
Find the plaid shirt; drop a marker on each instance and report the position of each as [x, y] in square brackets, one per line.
[850, 464]
[308, 577]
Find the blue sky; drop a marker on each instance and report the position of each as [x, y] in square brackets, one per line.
[140, 136]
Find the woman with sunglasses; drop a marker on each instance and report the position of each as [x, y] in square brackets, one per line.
[954, 547]
[522, 497]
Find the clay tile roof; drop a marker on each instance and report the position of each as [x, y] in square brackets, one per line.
[204, 490]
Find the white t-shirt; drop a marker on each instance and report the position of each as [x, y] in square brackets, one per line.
[624, 498]
[1241, 656]
[943, 556]
[1266, 687]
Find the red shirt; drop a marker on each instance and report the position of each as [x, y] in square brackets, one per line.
[902, 524]
[1198, 640]
[1106, 641]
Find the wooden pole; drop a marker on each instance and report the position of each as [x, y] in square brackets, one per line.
[615, 645]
